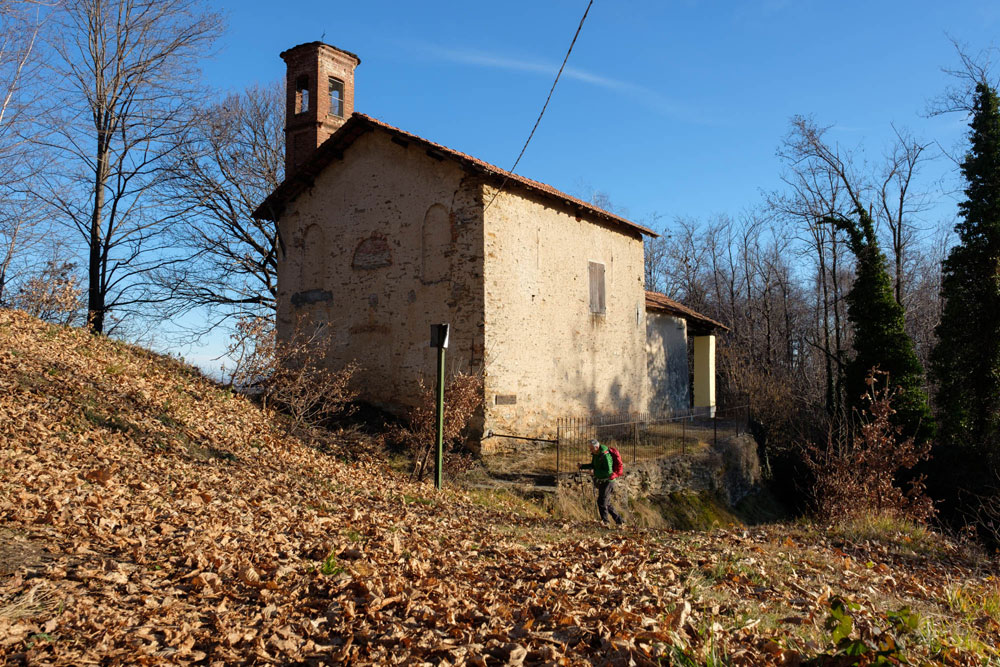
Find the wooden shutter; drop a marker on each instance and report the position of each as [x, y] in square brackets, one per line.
[597, 288]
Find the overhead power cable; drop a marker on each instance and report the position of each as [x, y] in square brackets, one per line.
[506, 178]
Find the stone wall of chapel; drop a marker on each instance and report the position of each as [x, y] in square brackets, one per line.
[402, 248]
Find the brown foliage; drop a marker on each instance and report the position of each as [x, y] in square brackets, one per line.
[293, 375]
[166, 520]
[854, 473]
[462, 399]
[54, 295]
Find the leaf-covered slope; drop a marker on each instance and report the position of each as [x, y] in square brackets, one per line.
[150, 517]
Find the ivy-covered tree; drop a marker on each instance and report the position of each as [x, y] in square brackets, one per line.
[966, 360]
[880, 338]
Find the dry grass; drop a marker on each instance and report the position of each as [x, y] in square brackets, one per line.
[572, 505]
[36, 602]
[904, 534]
[979, 604]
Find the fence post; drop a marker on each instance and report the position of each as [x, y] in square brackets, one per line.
[558, 444]
[684, 435]
[635, 440]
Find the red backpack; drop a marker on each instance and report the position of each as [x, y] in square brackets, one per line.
[617, 466]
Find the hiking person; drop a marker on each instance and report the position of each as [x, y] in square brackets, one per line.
[602, 463]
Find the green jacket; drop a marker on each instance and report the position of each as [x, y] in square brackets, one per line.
[601, 464]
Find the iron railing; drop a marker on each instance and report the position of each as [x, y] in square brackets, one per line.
[643, 436]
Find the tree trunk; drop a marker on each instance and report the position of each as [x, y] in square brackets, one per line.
[838, 394]
[95, 287]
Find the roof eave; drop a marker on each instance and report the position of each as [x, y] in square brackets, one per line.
[331, 149]
[701, 321]
[358, 123]
[661, 303]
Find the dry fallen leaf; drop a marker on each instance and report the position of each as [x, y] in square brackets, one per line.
[172, 522]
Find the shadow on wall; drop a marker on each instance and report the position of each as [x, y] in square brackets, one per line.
[667, 363]
[587, 392]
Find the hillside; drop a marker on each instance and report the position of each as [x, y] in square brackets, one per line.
[148, 516]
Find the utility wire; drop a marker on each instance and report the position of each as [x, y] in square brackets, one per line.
[544, 107]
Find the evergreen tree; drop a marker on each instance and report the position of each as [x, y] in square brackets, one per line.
[966, 360]
[880, 339]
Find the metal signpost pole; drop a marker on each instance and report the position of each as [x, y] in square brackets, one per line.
[439, 339]
[440, 420]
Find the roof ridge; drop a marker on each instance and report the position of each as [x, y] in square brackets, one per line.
[289, 189]
[500, 171]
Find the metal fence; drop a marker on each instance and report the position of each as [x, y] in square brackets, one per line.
[642, 436]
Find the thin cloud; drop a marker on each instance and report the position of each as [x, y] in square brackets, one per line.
[646, 95]
[499, 62]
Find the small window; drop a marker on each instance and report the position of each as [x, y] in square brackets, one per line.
[597, 288]
[302, 94]
[336, 97]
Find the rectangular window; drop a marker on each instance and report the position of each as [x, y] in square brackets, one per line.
[336, 97]
[302, 94]
[597, 305]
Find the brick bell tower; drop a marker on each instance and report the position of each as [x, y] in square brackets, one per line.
[319, 81]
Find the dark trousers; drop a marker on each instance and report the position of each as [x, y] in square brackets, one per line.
[604, 490]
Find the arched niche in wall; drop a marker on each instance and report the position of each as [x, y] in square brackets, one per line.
[435, 241]
[372, 252]
[314, 258]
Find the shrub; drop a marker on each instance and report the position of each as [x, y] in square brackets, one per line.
[855, 472]
[292, 375]
[54, 295]
[462, 400]
[982, 512]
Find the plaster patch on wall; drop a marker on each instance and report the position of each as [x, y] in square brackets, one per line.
[372, 253]
[311, 296]
[369, 328]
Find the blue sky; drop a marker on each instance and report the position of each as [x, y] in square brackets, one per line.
[669, 107]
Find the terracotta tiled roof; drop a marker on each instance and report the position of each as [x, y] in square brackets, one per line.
[359, 123]
[661, 302]
[329, 46]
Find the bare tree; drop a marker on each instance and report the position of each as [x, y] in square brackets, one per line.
[685, 278]
[129, 76]
[821, 182]
[899, 204]
[972, 69]
[230, 159]
[654, 260]
[21, 24]
[924, 306]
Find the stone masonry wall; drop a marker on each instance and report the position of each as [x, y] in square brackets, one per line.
[731, 470]
[387, 242]
[547, 354]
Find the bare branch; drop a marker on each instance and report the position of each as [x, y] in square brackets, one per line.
[127, 83]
